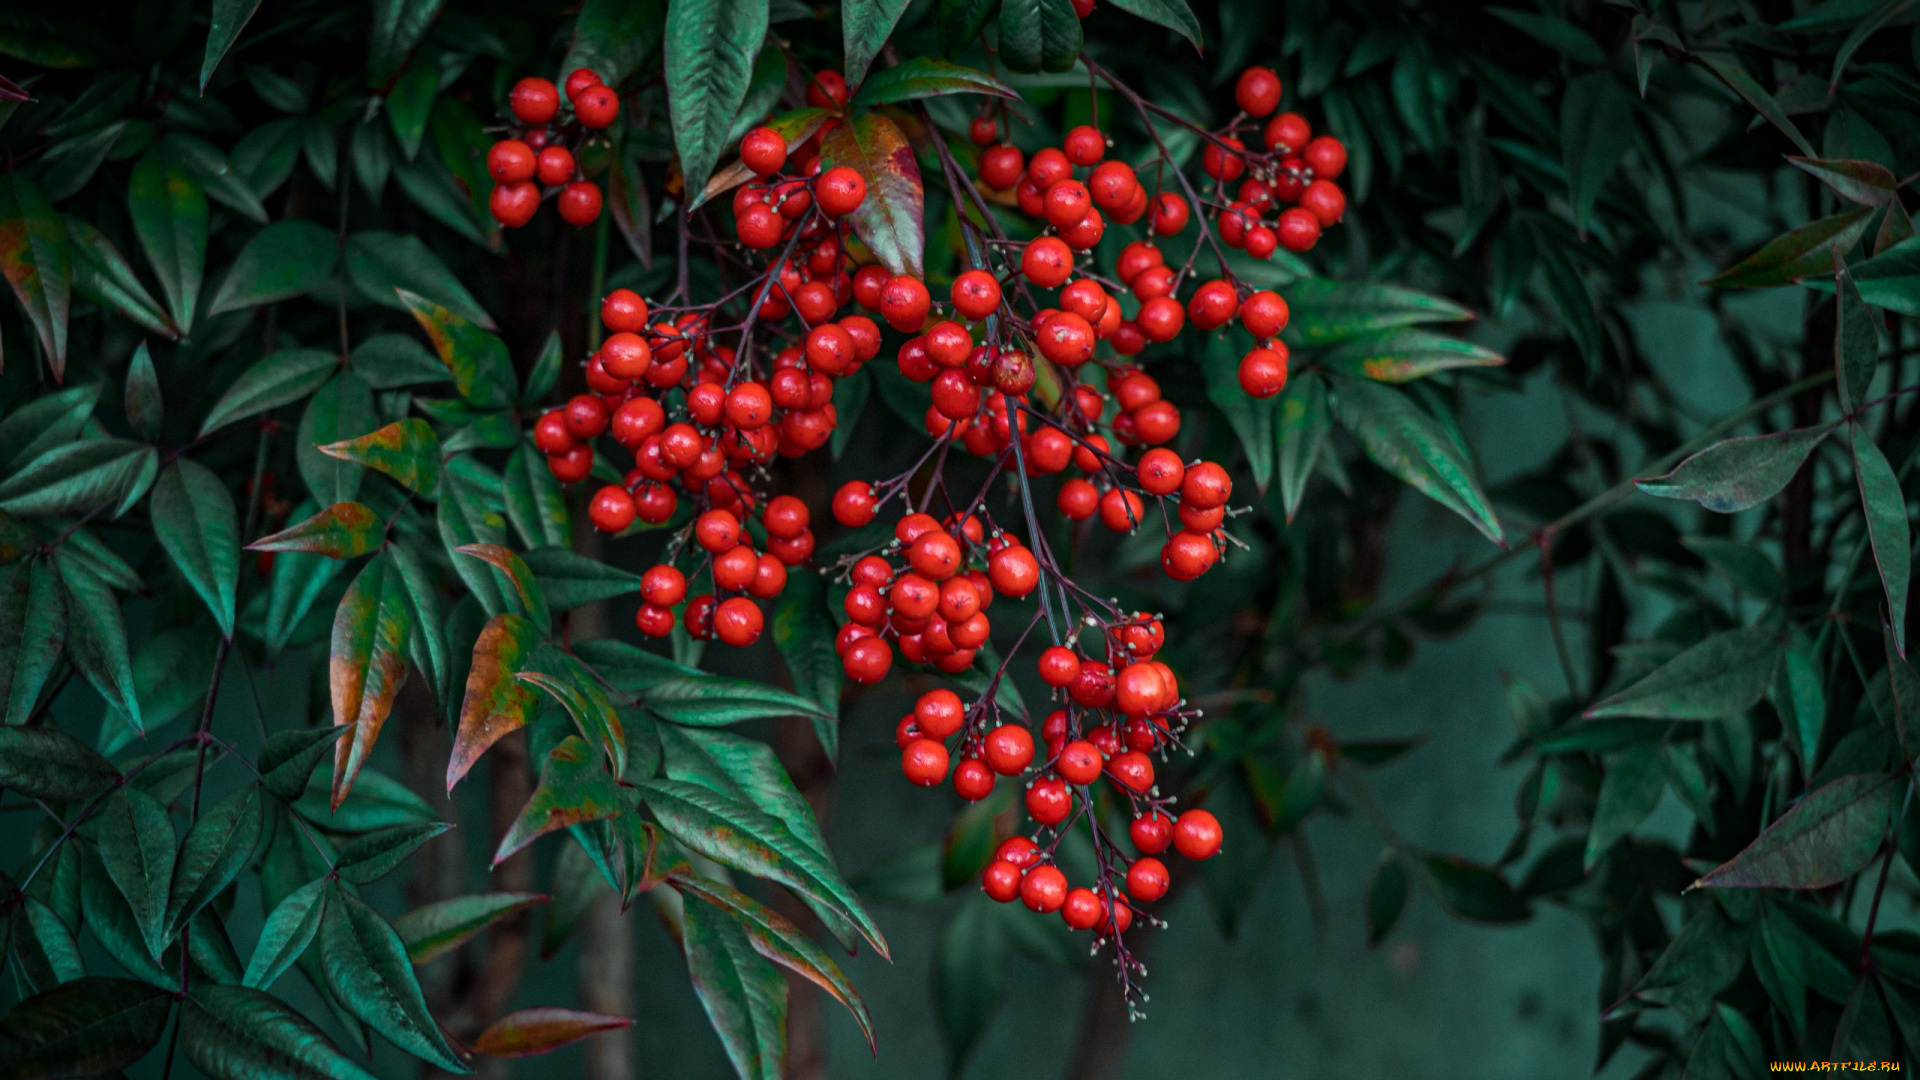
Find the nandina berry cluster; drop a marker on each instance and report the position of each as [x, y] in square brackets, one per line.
[540, 158]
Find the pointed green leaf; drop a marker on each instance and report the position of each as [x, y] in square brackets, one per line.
[1885, 509]
[803, 630]
[866, 25]
[368, 664]
[399, 26]
[289, 929]
[1386, 897]
[1865, 182]
[43, 423]
[1596, 127]
[141, 397]
[35, 260]
[1735, 474]
[406, 450]
[571, 579]
[1471, 891]
[1303, 425]
[195, 521]
[1174, 15]
[170, 216]
[528, 590]
[1324, 312]
[922, 77]
[341, 531]
[368, 971]
[1039, 35]
[495, 702]
[1399, 356]
[103, 275]
[969, 978]
[279, 379]
[586, 702]
[1726, 674]
[388, 361]
[79, 477]
[342, 408]
[42, 763]
[613, 36]
[710, 49]
[1407, 442]
[33, 629]
[432, 931]
[239, 1033]
[284, 260]
[744, 995]
[1631, 790]
[383, 264]
[97, 637]
[135, 838]
[1856, 344]
[370, 857]
[289, 757]
[216, 849]
[476, 357]
[229, 18]
[1823, 840]
[1813, 249]
[535, 502]
[88, 1027]
[710, 702]
[1763, 102]
[574, 788]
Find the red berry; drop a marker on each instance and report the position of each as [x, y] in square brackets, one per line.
[624, 311]
[867, 660]
[1222, 160]
[1147, 879]
[1014, 571]
[580, 203]
[759, 226]
[1212, 305]
[827, 90]
[1161, 471]
[717, 531]
[554, 166]
[513, 205]
[1044, 889]
[1001, 880]
[510, 161]
[1263, 372]
[924, 762]
[940, 713]
[596, 106]
[663, 585]
[763, 150]
[1047, 262]
[1187, 555]
[1067, 203]
[839, 191]
[586, 416]
[1197, 834]
[611, 509]
[1325, 201]
[1132, 770]
[737, 622]
[1264, 314]
[571, 465]
[1009, 749]
[1161, 318]
[853, 504]
[1049, 801]
[1169, 213]
[904, 303]
[1258, 91]
[1082, 909]
[534, 101]
[1001, 167]
[983, 131]
[976, 294]
[1059, 666]
[1079, 762]
[579, 79]
[1288, 133]
[1297, 230]
[972, 780]
[1151, 832]
[1206, 486]
[1084, 145]
[1326, 156]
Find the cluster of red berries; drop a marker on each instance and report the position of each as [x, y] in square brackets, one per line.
[536, 161]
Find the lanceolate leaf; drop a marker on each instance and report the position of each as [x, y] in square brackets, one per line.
[1891, 279]
[745, 996]
[1865, 182]
[1630, 791]
[290, 928]
[33, 629]
[89, 1027]
[368, 663]
[432, 931]
[170, 216]
[1250, 418]
[1808, 251]
[341, 408]
[1386, 897]
[574, 788]
[1885, 509]
[710, 49]
[216, 849]
[284, 260]
[889, 221]
[1039, 35]
[102, 274]
[535, 502]
[613, 36]
[1324, 312]
[228, 19]
[280, 379]
[141, 398]
[1762, 101]
[383, 265]
[585, 701]
[1303, 422]
[368, 971]
[1856, 344]
[195, 521]
[924, 77]
[1471, 891]
[287, 761]
[803, 631]
[97, 637]
[41, 763]
[406, 450]
[777, 939]
[754, 842]
[1823, 840]
[531, 1032]
[1731, 476]
[571, 579]
[398, 28]
[1413, 446]
[373, 856]
[35, 261]
[710, 702]
[341, 531]
[1175, 15]
[969, 977]
[1596, 127]
[237, 1033]
[43, 423]
[476, 356]
[79, 477]
[135, 838]
[533, 599]
[495, 702]
[1726, 674]
[1399, 356]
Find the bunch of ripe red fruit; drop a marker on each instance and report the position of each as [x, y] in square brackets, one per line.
[700, 418]
[538, 158]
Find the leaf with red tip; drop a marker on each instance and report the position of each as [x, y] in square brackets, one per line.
[433, 930]
[1825, 839]
[406, 450]
[891, 220]
[476, 357]
[495, 703]
[368, 663]
[1807, 251]
[531, 1032]
[573, 789]
[532, 598]
[33, 258]
[1868, 183]
[341, 531]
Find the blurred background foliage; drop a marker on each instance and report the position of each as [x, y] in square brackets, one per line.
[1604, 188]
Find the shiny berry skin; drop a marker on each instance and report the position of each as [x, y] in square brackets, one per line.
[1001, 167]
[924, 762]
[749, 406]
[1263, 372]
[1258, 91]
[1223, 162]
[1161, 471]
[976, 294]
[1067, 204]
[1297, 230]
[1121, 511]
[1132, 770]
[827, 90]
[1049, 801]
[510, 161]
[1326, 156]
[1170, 214]
[1001, 880]
[839, 191]
[513, 205]
[759, 226]
[1084, 145]
[1018, 851]
[1188, 555]
[1014, 571]
[867, 661]
[1264, 314]
[1147, 879]
[534, 101]
[1325, 201]
[654, 620]
[1206, 486]
[579, 79]
[717, 531]
[1151, 832]
[1065, 339]
[983, 131]
[904, 303]
[663, 585]
[596, 106]
[1047, 262]
[1197, 835]
[572, 465]
[1079, 762]
[763, 150]
[769, 577]
[1161, 318]
[1260, 242]
[1082, 909]
[738, 622]
[554, 166]
[853, 504]
[1044, 889]
[1288, 133]
[1009, 749]
[972, 780]
[940, 713]
[550, 434]
[623, 311]
[586, 416]
[1078, 499]
[1212, 305]
[580, 203]
[1059, 666]
[611, 509]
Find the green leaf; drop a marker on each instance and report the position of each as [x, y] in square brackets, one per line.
[803, 630]
[239, 1033]
[530, 1032]
[866, 26]
[969, 978]
[1630, 791]
[754, 842]
[279, 379]
[586, 703]
[342, 408]
[1555, 33]
[43, 423]
[1039, 35]
[536, 504]
[207, 166]
[1303, 423]
[1596, 127]
[1763, 102]
[216, 849]
[195, 521]
[494, 703]
[1885, 509]
[42, 763]
[1749, 569]
[44, 951]
[1386, 897]
[1856, 344]
[135, 838]
[34, 259]
[1175, 15]
[33, 628]
[141, 397]
[924, 77]
[745, 996]
[1865, 182]
[437, 929]
[1413, 446]
[368, 971]
[574, 788]
[1823, 840]
[228, 19]
[1701, 960]
[170, 217]
[382, 265]
[890, 220]
[80, 477]
[97, 637]
[284, 260]
[961, 22]
[710, 48]
[370, 857]
[289, 929]
[1726, 674]
[1891, 279]
[1735, 474]
[399, 26]
[1325, 312]
[467, 516]
[406, 450]
[1472, 892]
[476, 357]
[1251, 419]
[368, 664]
[777, 939]
[89, 1027]
[1399, 356]
[571, 579]
[1813, 249]
[341, 531]
[613, 37]
[388, 361]
[103, 275]
[714, 702]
